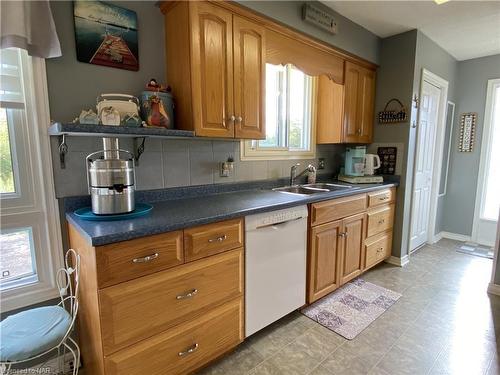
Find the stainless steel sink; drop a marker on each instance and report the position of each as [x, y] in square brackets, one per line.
[301, 190]
[329, 187]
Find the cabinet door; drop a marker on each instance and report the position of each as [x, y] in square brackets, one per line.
[358, 103]
[329, 111]
[366, 106]
[212, 70]
[353, 233]
[324, 255]
[249, 79]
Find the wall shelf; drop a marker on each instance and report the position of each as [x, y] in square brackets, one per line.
[63, 130]
[72, 129]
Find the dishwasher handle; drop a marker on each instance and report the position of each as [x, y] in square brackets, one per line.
[279, 223]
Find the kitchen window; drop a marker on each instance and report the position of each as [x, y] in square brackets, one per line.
[30, 239]
[289, 116]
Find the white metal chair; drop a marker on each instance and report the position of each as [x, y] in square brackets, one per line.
[34, 333]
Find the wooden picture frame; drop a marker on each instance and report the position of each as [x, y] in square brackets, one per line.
[467, 131]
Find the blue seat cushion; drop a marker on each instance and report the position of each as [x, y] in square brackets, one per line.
[32, 332]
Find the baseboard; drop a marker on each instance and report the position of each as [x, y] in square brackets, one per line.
[494, 289]
[400, 262]
[437, 237]
[455, 236]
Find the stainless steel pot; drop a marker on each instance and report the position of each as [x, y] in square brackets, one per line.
[111, 181]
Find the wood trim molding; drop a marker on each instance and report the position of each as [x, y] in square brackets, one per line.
[282, 28]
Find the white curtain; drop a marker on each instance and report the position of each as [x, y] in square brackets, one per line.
[29, 25]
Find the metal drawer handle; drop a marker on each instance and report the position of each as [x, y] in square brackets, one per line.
[190, 350]
[145, 259]
[342, 234]
[218, 239]
[190, 294]
[382, 221]
[383, 198]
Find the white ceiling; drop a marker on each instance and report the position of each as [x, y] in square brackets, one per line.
[466, 29]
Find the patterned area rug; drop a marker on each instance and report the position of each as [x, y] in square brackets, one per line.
[475, 249]
[351, 308]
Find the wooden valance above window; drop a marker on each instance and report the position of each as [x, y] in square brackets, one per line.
[282, 49]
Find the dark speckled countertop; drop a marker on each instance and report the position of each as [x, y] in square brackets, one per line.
[173, 214]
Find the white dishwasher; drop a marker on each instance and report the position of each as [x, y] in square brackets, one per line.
[275, 266]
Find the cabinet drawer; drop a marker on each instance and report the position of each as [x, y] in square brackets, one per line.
[206, 240]
[380, 219]
[335, 209]
[208, 337]
[127, 260]
[378, 248]
[381, 197]
[140, 308]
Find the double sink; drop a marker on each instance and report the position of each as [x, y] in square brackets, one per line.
[309, 189]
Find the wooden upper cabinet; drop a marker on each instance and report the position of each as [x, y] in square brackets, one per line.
[358, 103]
[324, 256]
[216, 68]
[352, 256]
[212, 70]
[330, 111]
[249, 79]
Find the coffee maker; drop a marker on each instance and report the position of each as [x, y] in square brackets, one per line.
[111, 179]
[355, 161]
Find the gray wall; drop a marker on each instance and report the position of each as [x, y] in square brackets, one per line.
[432, 57]
[350, 37]
[402, 59]
[74, 85]
[395, 80]
[472, 80]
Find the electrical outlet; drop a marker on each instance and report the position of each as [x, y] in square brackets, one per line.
[321, 163]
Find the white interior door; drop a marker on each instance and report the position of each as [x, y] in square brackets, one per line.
[422, 186]
[488, 197]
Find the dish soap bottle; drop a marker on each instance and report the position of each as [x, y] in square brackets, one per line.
[311, 174]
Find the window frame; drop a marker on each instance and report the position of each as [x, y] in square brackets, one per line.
[36, 206]
[250, 150]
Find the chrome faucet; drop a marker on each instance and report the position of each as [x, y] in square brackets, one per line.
[294, 175]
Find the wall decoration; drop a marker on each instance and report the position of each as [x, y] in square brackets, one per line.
[106, 35]
[467, 129]
[319, 18]
[393, 116]
[388, 158]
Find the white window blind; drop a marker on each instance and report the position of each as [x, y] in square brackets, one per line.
[11, 82]
[30, 238]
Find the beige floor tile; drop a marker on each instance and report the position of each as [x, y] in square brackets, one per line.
[241, 361]
[344, 361]
[445, 323]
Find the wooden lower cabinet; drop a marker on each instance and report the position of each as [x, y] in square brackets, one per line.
[184, 348]
[171, 313]
[353, 234]
[346, 237]
[377, 248]
[325, 244]
[141, 308]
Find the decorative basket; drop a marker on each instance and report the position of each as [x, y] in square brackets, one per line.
[393, 116]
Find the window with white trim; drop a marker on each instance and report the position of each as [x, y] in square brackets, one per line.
[289, 116]
[30, 240]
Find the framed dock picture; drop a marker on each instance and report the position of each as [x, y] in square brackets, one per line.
[106, 35]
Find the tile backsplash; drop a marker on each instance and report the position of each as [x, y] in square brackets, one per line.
[179, 162]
